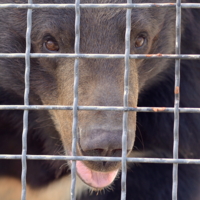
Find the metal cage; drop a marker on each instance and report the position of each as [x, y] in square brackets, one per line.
[125, 109]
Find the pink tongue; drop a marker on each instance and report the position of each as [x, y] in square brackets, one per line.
[94, 178]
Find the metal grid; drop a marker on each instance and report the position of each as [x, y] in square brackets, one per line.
[127, 56]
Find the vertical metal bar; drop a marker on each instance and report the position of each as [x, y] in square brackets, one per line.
[75, 104]
[126, 93]
[177, 100]
[26, 101]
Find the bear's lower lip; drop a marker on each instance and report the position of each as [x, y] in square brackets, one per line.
[95, 179]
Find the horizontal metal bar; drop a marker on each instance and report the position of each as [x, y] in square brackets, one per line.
[103, 56]
[67, 6]
[111, 159]
[99, 108]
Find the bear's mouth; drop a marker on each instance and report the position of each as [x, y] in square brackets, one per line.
[95, 179]
[96, 174]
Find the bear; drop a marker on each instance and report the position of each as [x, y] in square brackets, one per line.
[101, 83]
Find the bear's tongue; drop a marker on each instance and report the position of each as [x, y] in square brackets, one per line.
[93, 178]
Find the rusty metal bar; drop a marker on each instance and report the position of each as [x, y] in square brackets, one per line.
[103, 56]
[176, 101]
[99, 108]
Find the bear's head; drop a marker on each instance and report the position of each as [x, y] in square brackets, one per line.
[101, 81]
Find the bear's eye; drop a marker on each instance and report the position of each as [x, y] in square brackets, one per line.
[51, 45]
[140, 40]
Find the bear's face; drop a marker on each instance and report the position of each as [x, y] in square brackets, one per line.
[101, 81]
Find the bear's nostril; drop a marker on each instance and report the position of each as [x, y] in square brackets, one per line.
[99, 152]
[117, 152]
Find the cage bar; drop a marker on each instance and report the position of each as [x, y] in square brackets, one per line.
[108, 5]
[103, 56]
[75, 104]
[126, 95]
[176, 101]
[26, 101]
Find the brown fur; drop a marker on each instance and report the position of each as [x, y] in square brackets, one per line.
[10, 189]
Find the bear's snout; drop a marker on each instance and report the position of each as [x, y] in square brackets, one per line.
[101, 142]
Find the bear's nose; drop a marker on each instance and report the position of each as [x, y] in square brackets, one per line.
[98, 142]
